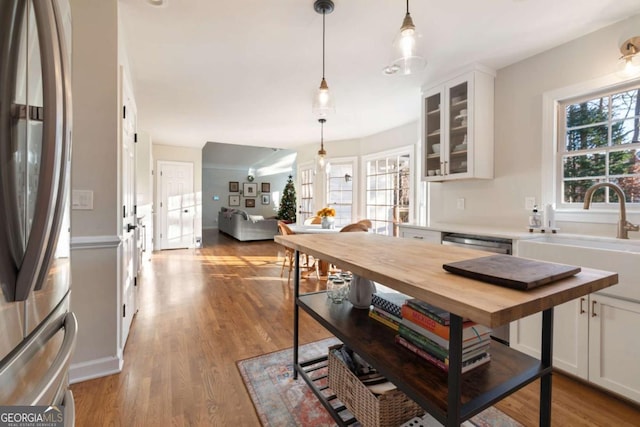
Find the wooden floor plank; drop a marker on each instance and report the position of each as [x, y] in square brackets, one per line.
[201, 310]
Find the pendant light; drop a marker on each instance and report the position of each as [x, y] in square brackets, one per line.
[322, 163]
[323, 103]
[405, 58]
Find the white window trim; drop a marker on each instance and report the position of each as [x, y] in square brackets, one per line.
[416, 200]
[549, 170]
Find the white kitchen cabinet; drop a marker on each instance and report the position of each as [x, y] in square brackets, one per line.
[594, 337]
[420, 233]
[457, 127]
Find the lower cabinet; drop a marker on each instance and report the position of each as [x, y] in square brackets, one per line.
[594, 339]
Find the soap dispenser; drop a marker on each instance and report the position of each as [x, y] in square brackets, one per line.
[535, 219]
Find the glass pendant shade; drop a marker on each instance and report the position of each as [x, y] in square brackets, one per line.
[629, 63]
[406, 59]
[323, 102]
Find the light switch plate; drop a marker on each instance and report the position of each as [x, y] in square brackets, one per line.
[82, 200]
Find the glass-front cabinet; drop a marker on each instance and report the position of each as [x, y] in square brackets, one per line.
[457, 137]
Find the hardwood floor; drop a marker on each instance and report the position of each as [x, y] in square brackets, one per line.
[202, 310]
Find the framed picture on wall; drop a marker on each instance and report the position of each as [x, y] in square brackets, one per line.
[266, 187]
[266, 199]
[250, 189]
[234, 200]
[249, 203]
[234, 186]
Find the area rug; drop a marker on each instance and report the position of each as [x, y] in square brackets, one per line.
[281, 401]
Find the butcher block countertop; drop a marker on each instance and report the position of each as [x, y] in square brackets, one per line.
[414, 267]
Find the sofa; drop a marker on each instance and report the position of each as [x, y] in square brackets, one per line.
[244, 227]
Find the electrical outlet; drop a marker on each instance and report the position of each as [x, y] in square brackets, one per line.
[529, 203]
[461, 203]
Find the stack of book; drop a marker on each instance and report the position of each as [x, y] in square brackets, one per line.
[424, 329]
[386, 307]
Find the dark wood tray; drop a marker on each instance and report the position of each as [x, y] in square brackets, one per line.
[511, 271]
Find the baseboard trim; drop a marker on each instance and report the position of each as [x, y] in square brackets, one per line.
[95, 242]
[92, 369]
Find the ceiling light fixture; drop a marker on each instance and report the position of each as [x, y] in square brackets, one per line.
[323, 103]
[405, 58]
[629, 64]
[322, 164]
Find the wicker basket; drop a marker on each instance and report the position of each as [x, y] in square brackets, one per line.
[387, 410]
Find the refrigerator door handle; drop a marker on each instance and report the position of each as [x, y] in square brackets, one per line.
[11, 19]
[58, 370]
[65, 159]
[51, 154]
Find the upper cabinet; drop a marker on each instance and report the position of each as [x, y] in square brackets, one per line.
[457, 128]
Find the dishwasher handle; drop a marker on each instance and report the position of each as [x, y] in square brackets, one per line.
[495, 246]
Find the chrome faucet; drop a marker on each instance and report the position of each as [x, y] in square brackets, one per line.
[624, 226]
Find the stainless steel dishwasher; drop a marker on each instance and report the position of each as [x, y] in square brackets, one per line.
[483, 243]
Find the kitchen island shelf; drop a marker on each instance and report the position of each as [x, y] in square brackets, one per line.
[423, 382]
[414, 268]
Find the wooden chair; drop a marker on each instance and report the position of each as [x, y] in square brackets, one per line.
[356, 226]
[366, 222]
[313, 220]
[305, 260]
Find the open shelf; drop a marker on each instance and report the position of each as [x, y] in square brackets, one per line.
[426, 384]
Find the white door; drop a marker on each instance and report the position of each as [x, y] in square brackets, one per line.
[177, 204]
[128, 213]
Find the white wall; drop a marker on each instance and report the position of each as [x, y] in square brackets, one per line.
[215, 182]
[518, 132]
[95, 241]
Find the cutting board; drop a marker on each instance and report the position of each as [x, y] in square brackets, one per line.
[511, 271]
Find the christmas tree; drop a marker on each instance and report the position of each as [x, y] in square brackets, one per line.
[287, 211]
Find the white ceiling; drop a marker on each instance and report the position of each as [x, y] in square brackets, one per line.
[244, 71]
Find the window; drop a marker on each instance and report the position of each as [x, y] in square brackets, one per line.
[388, 192]
[598, 140]
[306, 194]
[340, 192]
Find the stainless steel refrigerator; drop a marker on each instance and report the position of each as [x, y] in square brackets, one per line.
[37, 331]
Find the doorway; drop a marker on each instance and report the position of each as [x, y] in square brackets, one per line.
[177, 204]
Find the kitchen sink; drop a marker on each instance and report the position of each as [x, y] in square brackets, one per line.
[617, 255]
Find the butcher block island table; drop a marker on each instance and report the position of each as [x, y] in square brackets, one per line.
[414, 268]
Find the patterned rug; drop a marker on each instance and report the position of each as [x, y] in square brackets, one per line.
[280, 401]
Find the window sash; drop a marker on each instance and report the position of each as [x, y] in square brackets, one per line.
[579, 168]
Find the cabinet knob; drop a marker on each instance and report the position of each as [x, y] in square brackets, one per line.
[581, 306]
[593, 309]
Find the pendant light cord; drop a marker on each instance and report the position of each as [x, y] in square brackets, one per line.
[323, 15]
[407, 7]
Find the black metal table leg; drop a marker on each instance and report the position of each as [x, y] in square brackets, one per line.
[455, 371]
[296, 294]
[547, 361]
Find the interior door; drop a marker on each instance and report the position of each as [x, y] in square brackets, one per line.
[128, 211]
[177, 204]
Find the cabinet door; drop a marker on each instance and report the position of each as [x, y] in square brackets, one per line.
[570, 336]
[614, 350]
[458, 123]
[433, 133]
